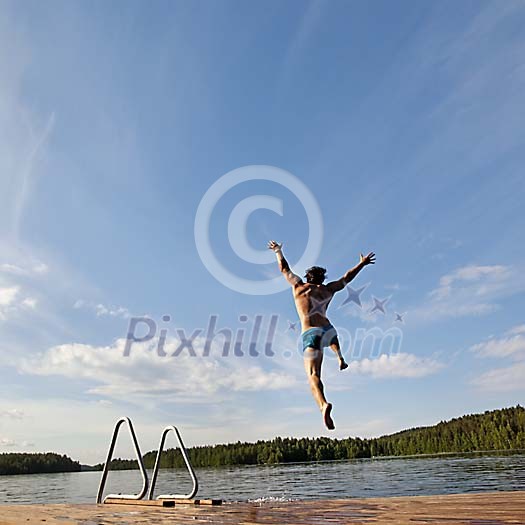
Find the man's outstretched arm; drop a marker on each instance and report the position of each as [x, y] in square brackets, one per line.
[283, 263]
[336, 286]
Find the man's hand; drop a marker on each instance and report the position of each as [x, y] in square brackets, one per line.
[275, 246]
[368, 259]
[283, 263]
[336, 286]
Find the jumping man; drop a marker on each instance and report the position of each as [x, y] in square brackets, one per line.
[311, 300]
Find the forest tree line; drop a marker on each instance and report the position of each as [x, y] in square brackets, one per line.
[36, 463]
[493, 430]
[502, 429]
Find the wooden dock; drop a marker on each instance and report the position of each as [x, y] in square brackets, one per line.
[491, 508]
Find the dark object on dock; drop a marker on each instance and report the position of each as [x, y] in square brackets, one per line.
[162, 502]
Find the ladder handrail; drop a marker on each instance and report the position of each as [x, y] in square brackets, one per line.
[107, 464]
[193, 492]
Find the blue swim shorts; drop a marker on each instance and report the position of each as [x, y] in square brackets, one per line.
[319, 337]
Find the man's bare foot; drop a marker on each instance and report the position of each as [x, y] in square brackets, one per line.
[327, 417]
[342, 364]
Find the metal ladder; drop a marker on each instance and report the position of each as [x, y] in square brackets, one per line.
[145, 481]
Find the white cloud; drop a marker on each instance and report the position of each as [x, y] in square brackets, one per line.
[15, 282]
[144, 374]
[510, 346]
[12, 300]
[520, 329]
[8, 295]
[12, 268]
[102, 310]
[29, 302]
[12, 413]
[6, 442]
[470, 291]
[469, 274]
[115, 311]
[37, 268]
[447, 310]
[397, 365]
[506, 379]
[40, 268]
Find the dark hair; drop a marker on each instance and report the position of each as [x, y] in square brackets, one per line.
[315, 275]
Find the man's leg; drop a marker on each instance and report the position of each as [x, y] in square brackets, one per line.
[334, 345]
[313, 360]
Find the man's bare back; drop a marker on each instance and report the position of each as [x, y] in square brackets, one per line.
[311, 301]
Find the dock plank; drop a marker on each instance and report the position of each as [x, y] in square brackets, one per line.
[494, 508]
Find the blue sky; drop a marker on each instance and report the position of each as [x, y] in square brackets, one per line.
[403, 119]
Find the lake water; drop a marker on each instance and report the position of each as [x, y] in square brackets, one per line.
[338, 479]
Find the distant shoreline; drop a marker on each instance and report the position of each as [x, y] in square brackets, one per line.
[497, 431]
